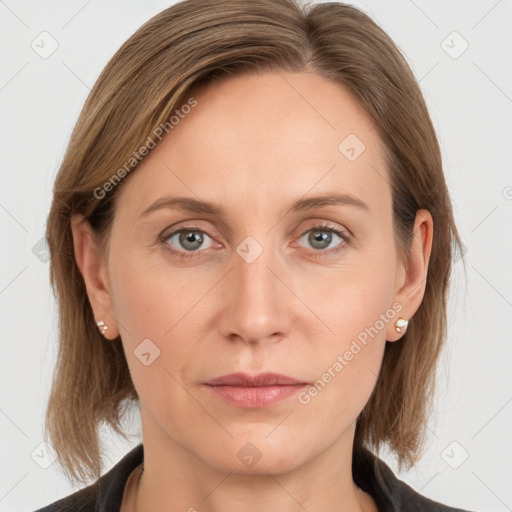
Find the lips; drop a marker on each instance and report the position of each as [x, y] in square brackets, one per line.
[253, 392]
[246, 380]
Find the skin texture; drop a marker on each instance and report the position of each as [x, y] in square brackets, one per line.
[254, 144]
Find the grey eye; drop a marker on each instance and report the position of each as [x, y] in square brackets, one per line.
[320, 238]
[189, 240]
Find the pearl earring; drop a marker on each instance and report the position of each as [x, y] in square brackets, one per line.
[401, 325]
[102, 326]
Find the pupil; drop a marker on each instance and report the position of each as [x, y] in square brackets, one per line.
[321, 236]
[191, 237]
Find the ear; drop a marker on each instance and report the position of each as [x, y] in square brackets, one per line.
[412, 277]
[94, 271]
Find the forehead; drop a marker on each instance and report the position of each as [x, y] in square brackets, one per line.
[253, 138]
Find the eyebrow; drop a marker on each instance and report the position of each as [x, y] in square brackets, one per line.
[190, 204]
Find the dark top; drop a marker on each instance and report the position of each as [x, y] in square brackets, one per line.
[370, 473]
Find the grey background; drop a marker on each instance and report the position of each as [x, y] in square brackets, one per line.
[468, 461]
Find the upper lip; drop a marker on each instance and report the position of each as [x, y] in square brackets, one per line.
[246, 380]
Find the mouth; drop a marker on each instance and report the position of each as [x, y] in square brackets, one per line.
[263, 390]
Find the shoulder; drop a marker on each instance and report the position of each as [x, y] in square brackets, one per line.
[373, 476]
[106, 493]
[83, 500]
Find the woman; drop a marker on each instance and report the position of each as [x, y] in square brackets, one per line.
[251, 239]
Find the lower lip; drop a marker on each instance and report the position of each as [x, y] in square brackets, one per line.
[256, 397]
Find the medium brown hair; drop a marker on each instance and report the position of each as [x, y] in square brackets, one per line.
[178, 51]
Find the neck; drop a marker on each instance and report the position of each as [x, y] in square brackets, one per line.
[174, 476]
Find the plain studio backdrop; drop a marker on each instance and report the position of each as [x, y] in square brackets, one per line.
[461, 53]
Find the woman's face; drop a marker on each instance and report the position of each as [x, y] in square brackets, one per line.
[273, 281]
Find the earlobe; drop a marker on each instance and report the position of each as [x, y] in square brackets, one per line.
[412, 289]
[94, 272]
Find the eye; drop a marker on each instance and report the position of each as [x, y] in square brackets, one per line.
[322, 236]
[186, 240]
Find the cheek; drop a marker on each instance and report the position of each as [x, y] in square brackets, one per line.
[149, 299]
[358, 311]
[159, 318]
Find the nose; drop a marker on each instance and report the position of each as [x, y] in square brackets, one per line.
[256, 304]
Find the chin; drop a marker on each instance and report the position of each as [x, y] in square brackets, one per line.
[256, 455]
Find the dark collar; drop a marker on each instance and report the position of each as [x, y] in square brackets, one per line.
[390, 494]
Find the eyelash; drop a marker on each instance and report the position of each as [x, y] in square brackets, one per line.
[345, 241]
